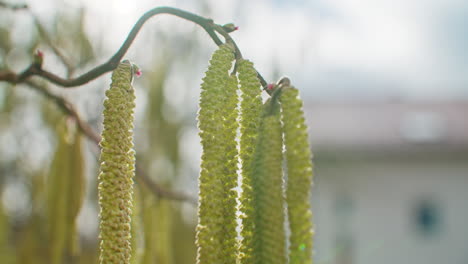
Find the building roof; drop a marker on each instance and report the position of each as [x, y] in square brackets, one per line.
[388, 126]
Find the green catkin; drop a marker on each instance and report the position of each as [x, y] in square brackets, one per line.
[216, 221]
[230, 114]
[299, 172]
[269, 245]
[117, 168]
[250, 108]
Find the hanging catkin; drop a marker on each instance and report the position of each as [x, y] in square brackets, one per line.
[269, 245]
[216, 235]
[230, 164]
[299, 174]
[250, 108]
[117, 168]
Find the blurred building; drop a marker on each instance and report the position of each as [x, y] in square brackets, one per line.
[391, 181]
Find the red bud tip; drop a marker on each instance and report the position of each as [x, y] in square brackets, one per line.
[270, 86]
[40, 53]
[236, 28]
[138, 73]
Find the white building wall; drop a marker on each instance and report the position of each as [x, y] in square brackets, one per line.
[371, 203]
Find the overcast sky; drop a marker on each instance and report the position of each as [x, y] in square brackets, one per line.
[398, 48]
[333, 48]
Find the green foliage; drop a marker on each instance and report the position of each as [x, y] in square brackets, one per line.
[156, 216]
[136, 228]
[66, 186]
[160, 242]
[117, 168]
[5, 248]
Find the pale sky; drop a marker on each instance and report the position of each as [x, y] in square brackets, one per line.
[397, 48]
[330, 48]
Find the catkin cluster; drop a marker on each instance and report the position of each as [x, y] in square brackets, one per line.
[243, 145]
[117, 168]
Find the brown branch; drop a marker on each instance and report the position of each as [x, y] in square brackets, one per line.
[13, 6]
[69, 109]
[160, 191]
[35, 69]
[207, 24]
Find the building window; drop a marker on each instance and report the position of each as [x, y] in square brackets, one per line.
[427, 217]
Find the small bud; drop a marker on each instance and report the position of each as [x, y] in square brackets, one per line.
[38, 58]
[136, 71]
[284, 81]
[230, 27]
[281, 83]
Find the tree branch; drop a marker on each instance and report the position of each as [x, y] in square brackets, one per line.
[35, 69]
[69, 109]
[45, 35]
[13, 6]
[207, 24]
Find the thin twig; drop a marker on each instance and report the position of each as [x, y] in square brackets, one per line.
[207, 24]
[36, 69]
[13, 6]
[45, 35]
[69, 109]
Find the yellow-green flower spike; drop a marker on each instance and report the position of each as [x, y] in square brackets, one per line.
[299, 175]
[250, 109]
[230, 167]
[216, 221]
[117, 168]
[269, 240]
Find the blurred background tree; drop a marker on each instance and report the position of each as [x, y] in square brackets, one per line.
[48, 172]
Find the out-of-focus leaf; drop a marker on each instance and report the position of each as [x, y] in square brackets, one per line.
[6, 251]
[157, 223]
[149, 224]
[69, 36]
[65, 193]
[5, 43]
[30, 242]
[136, 230]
